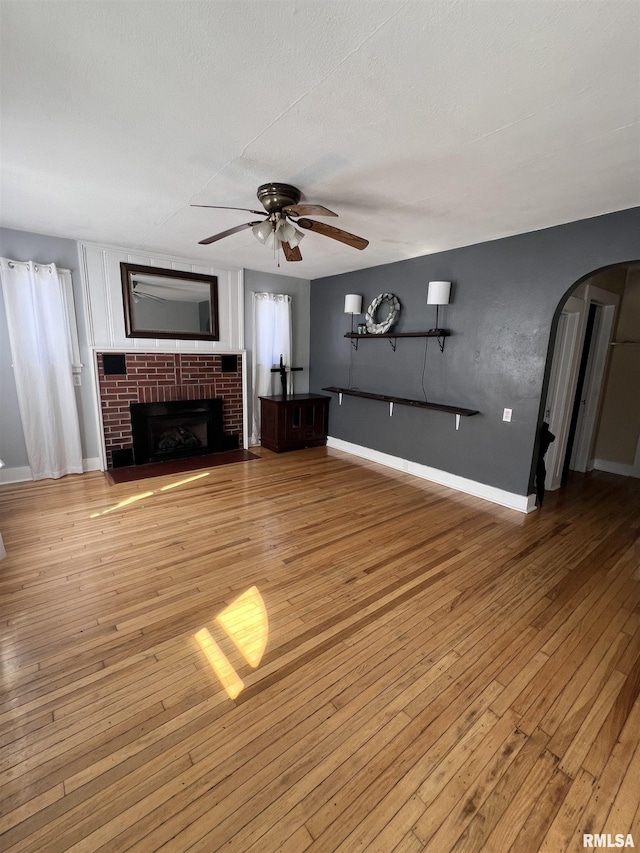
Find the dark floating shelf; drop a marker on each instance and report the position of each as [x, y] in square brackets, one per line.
[403, 401]
[432, 333]
[392, 337]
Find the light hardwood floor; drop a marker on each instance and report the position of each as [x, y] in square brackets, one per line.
[440, 674]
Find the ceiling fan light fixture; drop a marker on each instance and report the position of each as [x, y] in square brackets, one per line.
[296, 238]
[284, 231]
[263, 231]
[288, 233]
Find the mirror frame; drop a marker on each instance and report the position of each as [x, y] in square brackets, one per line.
[131, 331]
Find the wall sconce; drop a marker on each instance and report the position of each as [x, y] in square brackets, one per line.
[352, 305]
[438, 294]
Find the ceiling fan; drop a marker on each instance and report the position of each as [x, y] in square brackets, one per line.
[284, 215]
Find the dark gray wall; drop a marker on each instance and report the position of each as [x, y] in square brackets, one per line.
[25, 246]
[505, 300]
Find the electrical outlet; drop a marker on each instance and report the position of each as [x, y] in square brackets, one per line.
[77, 379]
[506, 415]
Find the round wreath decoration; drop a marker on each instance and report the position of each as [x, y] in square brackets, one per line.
[381, 328]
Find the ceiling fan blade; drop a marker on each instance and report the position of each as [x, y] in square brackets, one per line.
[308, 210]
[291, 253]
[140, 294]
[227, 233]
[224, 207]
[335, 233]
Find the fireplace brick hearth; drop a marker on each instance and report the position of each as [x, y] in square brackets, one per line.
[164, 377]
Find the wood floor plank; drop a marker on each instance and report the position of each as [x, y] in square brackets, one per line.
[542, 813]
[615, 771]
[470, 683]
[590, 674]
[382, 833]
[579, 747]
[576, 712]
[449, 811]
[320, 785]
[605, 740]
[625, 805]
[513, 780]
[561, 831]
[430, 734]
[505, 832]
[372, 700]
[409, 844]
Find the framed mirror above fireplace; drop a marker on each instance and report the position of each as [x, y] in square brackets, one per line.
[163, 303]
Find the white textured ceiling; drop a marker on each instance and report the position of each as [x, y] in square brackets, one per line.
[424, 125]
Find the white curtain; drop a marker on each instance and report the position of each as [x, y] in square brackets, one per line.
[40, 339]
[271, 339]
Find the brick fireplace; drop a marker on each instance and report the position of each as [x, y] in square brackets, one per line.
[126, 378]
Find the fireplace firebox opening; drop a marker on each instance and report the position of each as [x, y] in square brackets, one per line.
[177, 429]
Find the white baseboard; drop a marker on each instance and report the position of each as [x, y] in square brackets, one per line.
[23, 474]
[614, 468]
[15, 475]
[521, 503]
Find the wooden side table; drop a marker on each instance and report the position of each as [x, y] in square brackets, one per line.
[294, 422]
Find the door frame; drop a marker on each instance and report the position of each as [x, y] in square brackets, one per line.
[563, 381]
[608, 303]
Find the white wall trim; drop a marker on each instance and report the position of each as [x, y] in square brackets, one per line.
[97, 402]
[614, 467]
[169, 349]
[23, 473]
[521, 503]
[635, 469]
[15, 475]
[565, 365]
[245, 400]
[110, 247]
[594, 381]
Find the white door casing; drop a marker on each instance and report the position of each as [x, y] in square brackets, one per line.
[607, 302]
[635, 470]
[562, 385]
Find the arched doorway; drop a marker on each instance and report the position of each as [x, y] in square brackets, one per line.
[592, 404]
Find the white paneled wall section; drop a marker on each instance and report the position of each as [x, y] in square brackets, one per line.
[105, 314]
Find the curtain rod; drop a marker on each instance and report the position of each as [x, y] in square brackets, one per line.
[13, 264]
